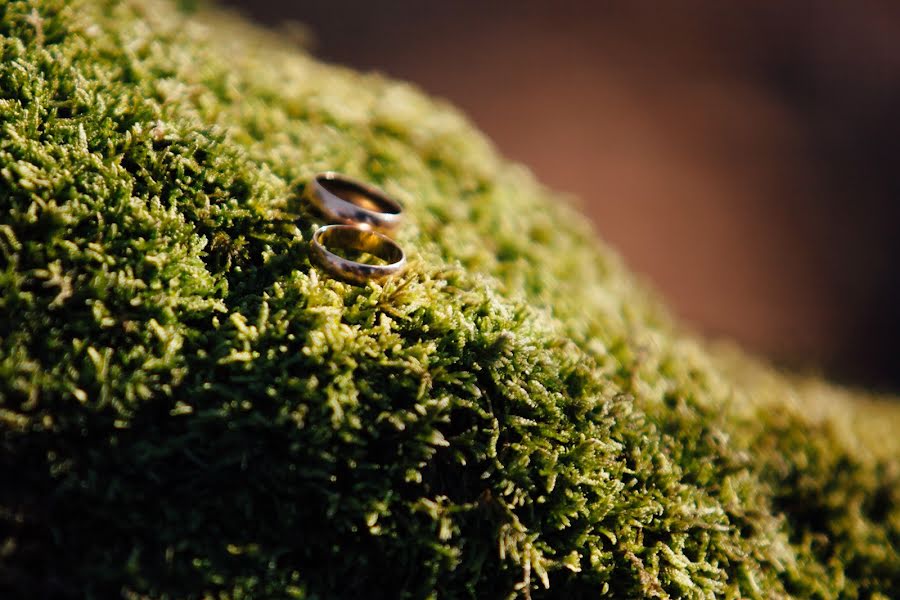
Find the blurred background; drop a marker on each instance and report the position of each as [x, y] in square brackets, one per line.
[742, 156]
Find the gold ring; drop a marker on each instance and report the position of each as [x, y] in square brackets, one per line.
[351, 237]
[341, 199]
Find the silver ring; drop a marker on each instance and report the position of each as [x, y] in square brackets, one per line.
[342, 199]
[351, 237]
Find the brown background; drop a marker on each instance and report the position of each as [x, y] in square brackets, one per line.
[742, 156]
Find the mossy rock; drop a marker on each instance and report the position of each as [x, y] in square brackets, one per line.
[189, 409]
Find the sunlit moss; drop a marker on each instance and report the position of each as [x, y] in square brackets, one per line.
[189, 409]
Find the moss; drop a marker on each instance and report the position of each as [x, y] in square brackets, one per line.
[189, 409]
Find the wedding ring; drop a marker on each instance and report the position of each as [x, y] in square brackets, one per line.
[341, 199]
[351, 237]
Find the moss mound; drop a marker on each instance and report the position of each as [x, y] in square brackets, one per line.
[189, 409]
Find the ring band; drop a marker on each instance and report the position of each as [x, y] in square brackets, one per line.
[350, 237]
[341, 199]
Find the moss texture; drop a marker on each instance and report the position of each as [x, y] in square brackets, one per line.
[189, 409]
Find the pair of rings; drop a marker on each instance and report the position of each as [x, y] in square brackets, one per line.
[359, 215]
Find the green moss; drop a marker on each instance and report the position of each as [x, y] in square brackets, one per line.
[189, 409]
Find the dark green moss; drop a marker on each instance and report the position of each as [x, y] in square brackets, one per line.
[188, 409]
